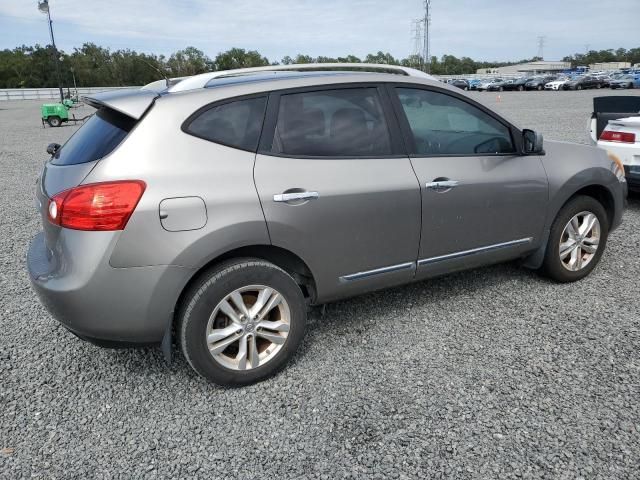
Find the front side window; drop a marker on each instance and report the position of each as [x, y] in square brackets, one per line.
[445, 125]
[330, 123]
[236, 124]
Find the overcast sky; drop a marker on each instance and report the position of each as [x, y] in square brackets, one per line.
[481, 29]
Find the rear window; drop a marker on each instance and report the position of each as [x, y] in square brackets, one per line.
[235, 124]
[97, 138]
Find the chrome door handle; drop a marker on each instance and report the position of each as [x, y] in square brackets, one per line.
[443, 184]
[293, 196]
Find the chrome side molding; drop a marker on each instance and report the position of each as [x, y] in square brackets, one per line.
[378, 271]
[473, 251]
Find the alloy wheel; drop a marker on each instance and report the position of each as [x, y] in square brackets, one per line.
[248, 327]
[579, 241]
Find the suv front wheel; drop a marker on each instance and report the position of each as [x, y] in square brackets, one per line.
[241, 322]
[577, 240]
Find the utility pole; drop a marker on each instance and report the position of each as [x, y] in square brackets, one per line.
[426, 48]
[541, 40]
[43, 6]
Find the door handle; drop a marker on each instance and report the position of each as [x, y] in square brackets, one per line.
[293, 196]
[441, 185]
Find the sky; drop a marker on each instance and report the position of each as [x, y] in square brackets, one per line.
[481, 29]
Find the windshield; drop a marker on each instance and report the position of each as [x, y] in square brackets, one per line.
[98, 137]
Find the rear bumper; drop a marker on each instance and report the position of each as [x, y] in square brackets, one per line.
[633, 177]
[109, 306]
[629, 155]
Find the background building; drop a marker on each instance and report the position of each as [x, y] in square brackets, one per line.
[609, 66]
[541, 66]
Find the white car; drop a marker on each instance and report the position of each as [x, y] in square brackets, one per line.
[620, 137]
[556, 84]
[483, 85]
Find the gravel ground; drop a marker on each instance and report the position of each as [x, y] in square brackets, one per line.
[493, 373]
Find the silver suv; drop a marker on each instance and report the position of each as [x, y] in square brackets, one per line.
[217, 210]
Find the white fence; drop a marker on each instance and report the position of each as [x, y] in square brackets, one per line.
[7, 94]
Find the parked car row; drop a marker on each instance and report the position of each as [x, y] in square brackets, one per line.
[549, 82]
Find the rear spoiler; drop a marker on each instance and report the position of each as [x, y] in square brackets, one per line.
[130, 102]
[613, 108]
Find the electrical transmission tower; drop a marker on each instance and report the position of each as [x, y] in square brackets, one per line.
[541, 41]
[416, 36]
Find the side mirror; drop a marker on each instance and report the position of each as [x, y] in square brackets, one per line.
[532, 143]
[52, 148]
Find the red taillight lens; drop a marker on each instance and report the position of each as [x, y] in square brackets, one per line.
[97, 206]
[623, 137]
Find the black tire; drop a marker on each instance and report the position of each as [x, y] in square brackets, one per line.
[54, 121]
[598, 85]
[540, 87]
[501, 89]
[520, 88]
[209, 290]
[630, 85]
[579, 87]
[552, 266]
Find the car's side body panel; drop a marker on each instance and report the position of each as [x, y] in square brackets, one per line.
[571, 168]
[366, 217]
[497, 210]
[219, 175]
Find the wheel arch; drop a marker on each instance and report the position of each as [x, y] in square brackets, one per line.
[281, 257]
[597, 191]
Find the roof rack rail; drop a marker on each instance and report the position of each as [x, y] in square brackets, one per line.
[200, 81]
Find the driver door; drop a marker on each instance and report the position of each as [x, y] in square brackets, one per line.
[482, 202]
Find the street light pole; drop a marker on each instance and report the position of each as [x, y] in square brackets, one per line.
[43, 6]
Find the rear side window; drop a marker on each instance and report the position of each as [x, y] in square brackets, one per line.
[235, 124]
[331, 123]
[97, 138]
[444, 125]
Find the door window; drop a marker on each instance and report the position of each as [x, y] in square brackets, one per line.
[236, 124]
[445, 125]
[331, 123]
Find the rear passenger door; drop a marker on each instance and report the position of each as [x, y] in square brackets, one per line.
[337, 189]
[482, 201]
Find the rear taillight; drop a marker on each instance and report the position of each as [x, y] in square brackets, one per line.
[97, 206]
[624, 137]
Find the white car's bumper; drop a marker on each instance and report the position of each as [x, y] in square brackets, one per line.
[629, 155]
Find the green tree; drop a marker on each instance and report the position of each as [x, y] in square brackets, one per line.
[239, 58]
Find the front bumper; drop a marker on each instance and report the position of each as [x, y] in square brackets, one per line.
[97, 302]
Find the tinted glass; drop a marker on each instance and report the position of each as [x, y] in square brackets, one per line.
[445, 125]
[236, 124]
[95, 139]
[330, 123]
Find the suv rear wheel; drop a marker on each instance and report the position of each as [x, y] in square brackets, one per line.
[577, 240]
[241, 322]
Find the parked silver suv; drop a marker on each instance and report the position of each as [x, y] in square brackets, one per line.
[219, 209]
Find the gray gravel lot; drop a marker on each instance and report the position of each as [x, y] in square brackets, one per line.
[493, 373]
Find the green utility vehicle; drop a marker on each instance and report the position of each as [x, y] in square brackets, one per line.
[55, 114]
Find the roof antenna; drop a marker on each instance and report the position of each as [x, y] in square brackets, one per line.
[150, 65]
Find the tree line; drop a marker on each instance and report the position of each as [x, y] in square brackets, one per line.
[95, 66]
